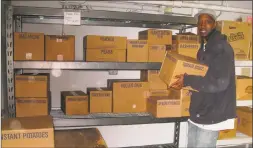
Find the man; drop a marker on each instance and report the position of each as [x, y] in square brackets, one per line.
[213, 107]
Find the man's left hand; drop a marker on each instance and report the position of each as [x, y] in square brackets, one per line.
[178, 84]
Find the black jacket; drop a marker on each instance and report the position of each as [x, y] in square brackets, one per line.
[216, 99]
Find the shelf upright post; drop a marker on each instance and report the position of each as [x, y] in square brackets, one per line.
[176, 134]
[9, 55]
[18, 23]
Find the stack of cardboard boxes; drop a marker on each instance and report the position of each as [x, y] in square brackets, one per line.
[104, 48]
[186, 44]
[32, 95]
[38, 47]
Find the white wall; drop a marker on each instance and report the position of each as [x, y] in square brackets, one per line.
[116, 136]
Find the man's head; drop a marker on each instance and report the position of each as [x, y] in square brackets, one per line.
[206, 22]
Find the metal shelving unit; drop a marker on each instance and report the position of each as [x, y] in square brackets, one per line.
[15, 16]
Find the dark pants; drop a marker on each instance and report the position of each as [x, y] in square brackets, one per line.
[201, 138]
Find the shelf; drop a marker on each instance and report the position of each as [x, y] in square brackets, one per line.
[244, 103]
[107, 119]
[239, 140]
[86, 65]
[154, 146]
[243, 63]
[105, 18]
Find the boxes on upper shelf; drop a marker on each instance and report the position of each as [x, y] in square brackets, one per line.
[244, 117]
[74, 103]
[153, 79]
[243, 88]
[32, 85]
[238, 35]
[30, 107]
[104, 42]
[28, 132]
[137, 51]
[175, 64]
[128, 95]
[29, 46]
[156, 37]
[156, 53]
[185, 38]
[187, 45]
[105, 55]
[100, 100]
[104, 48]
[60, 48]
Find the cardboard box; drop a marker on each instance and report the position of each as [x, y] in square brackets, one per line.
[244, 117]
[29, 46]
[156, 53]
[153, 79]
[176, 64]
[129, 96]
[105, 55]
[184, 38]
[32, 85]
[228, 134]
[187, 49]
[243, 88]
[30, 107]
[104, 42]
[238, 35]
[186, 100]
[28, 132]
[156, 37]
[165, 106]
[74, 103]
[137, 51]
[60, 48]
[79, 138]
[100, 100]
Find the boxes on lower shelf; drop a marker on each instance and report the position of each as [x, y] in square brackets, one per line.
[28, 132]
[79, 138]
[244, 117]
[170, 105]
[243, 88]
[32, 85]
[29, 107]
[153, 79]
[227, 134]
[128, 95]
[74, 103]
[100, 100]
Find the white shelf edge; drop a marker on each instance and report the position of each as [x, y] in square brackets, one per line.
[240, 139]
[245, 63]
[243, 102]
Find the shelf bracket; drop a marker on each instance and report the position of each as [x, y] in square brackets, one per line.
[176, 134]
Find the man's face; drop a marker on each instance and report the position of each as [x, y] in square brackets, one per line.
[205, 25]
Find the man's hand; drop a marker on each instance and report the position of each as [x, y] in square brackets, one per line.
[178, 84]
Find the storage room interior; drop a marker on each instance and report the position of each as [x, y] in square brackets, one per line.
[70, 80]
